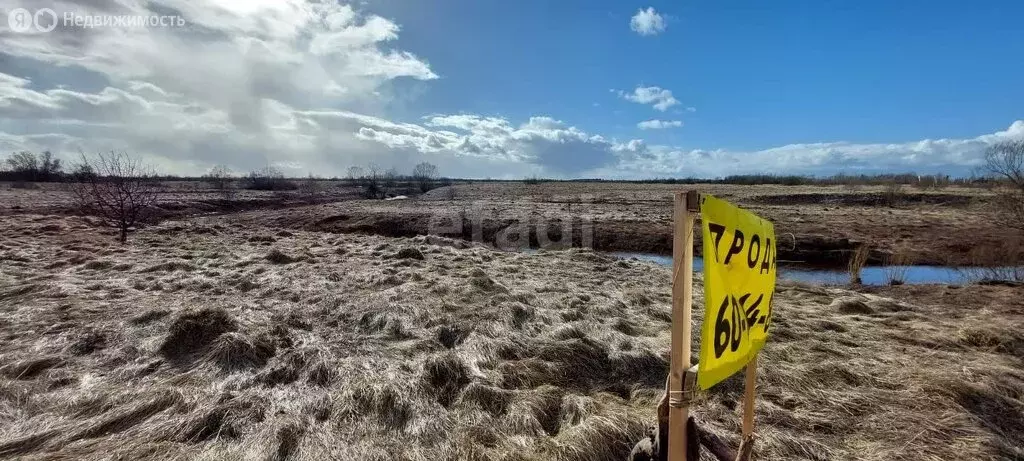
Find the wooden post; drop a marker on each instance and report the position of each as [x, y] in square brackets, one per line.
[747, 441]
[684, 214]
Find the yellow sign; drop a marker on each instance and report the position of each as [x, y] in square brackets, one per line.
[739, 281]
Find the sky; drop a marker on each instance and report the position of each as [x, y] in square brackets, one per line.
[488, 89]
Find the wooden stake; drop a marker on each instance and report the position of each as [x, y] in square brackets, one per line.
[748, 397]
[684, 214]
[747, 443]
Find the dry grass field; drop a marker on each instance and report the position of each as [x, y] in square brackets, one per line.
[816, 224]
[253, 336]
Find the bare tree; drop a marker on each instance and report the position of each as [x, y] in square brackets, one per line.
[118, 191]
[82, 172]
[1005, 162]
[219, 177]
[26, 166]
[49, 167]
[311, 187]
[390, 177]
[355, 174]
[425, 174]
[371, 182]
[23, 160]
[269, 178]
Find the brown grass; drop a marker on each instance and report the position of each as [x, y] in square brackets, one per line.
[466, 354]
[897, 266]
[892, 195]
[858, 259]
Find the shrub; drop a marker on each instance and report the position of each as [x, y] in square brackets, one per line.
[311, 187]
[269, 178]
[893, 194]
[219, 177]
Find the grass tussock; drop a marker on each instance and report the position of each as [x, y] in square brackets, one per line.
[494, 400]
[88, 342]
[445, 375]
[277, 256]
[450, 335]
[993, 339]
[193, 330]
[409, 253]
[858, 259]
[851, 305]
[233, 351]
[898, 266]
[30, 368]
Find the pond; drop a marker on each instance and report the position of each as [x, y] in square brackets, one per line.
[872, 275]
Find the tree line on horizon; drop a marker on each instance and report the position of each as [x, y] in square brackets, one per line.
[26, 167]
[45, 167]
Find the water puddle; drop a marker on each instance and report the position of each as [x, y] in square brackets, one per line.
[872, 275]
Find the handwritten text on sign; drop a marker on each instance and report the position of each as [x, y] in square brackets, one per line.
[739, 281]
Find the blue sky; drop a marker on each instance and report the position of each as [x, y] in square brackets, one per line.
[509, 89]
[759, 73]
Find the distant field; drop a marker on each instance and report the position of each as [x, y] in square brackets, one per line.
[815, 224]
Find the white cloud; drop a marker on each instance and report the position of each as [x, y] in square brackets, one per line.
[659, 98]
[950, 156]
[647, 22]
[229, 87]
[183, 136]
[658, 124]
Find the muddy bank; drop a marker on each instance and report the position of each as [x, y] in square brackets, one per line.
[807, 234]
[877, 199]
[814, 225]
[611, 236]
